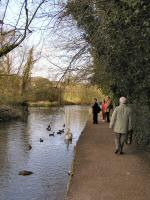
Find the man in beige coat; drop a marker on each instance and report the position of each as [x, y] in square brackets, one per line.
[121, 122]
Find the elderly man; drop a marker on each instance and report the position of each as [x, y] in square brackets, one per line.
[121, 122]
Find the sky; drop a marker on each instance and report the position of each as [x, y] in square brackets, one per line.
[55, 40]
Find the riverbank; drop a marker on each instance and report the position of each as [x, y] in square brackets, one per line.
[44, 104]
[99, 174]
[55, 103]
[13, 111]
[8, 113]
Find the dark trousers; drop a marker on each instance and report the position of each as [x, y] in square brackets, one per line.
[104, 115]
[108, 116]
[95, 118]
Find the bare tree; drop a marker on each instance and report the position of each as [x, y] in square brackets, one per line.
[72, 57]
[14, 31]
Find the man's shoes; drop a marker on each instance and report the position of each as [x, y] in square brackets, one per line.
[121, 152]
[116, 151]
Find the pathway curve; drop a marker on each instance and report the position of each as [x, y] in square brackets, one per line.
[99, 174]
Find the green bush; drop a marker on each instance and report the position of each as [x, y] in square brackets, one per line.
[118, 33]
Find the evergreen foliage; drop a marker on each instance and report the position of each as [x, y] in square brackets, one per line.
[118, 33]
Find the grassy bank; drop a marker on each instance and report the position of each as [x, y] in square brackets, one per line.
[56, 103]
[44, 104]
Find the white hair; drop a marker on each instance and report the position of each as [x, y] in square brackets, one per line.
[122, 100]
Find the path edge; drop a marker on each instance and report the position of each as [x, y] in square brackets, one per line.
[74, 159]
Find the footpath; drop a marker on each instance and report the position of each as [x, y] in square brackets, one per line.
[100, 174]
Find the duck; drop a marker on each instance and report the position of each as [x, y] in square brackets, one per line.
[49, 127]
[68, 135]
[41, 140]
[25, 173]
[59, 132]
[52, 134]
[29, 147]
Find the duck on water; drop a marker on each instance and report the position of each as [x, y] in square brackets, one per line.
[52, 134]
[49, 127]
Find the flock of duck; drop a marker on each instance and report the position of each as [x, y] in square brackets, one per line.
[67, 136]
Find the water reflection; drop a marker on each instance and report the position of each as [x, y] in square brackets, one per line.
[50, 161]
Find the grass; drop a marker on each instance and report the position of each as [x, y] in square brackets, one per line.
[43, 104]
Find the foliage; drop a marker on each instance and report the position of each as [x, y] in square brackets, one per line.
[118, 33]
[81, 94]
[119, 37]
[43, 90]
[10, 88]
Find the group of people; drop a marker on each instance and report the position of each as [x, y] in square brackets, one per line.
[121, 120]
[104, 108]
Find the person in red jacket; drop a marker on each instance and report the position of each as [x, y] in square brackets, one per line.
[104, 108]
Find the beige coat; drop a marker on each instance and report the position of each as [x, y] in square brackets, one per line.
[121, 120]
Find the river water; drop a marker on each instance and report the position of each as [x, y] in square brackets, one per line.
[50, 160]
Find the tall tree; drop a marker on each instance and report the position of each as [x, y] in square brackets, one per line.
[118, 33]
[26, 75]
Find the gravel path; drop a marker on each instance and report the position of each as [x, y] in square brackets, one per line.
[99, 174]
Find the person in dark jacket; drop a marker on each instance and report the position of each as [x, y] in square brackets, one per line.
[96, 110]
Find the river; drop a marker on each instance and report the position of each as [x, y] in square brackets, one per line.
[49, 160]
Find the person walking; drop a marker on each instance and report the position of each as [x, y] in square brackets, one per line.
[100, 113]
[96, 110]
[109, 107]
[104, 107]
[121, 122]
